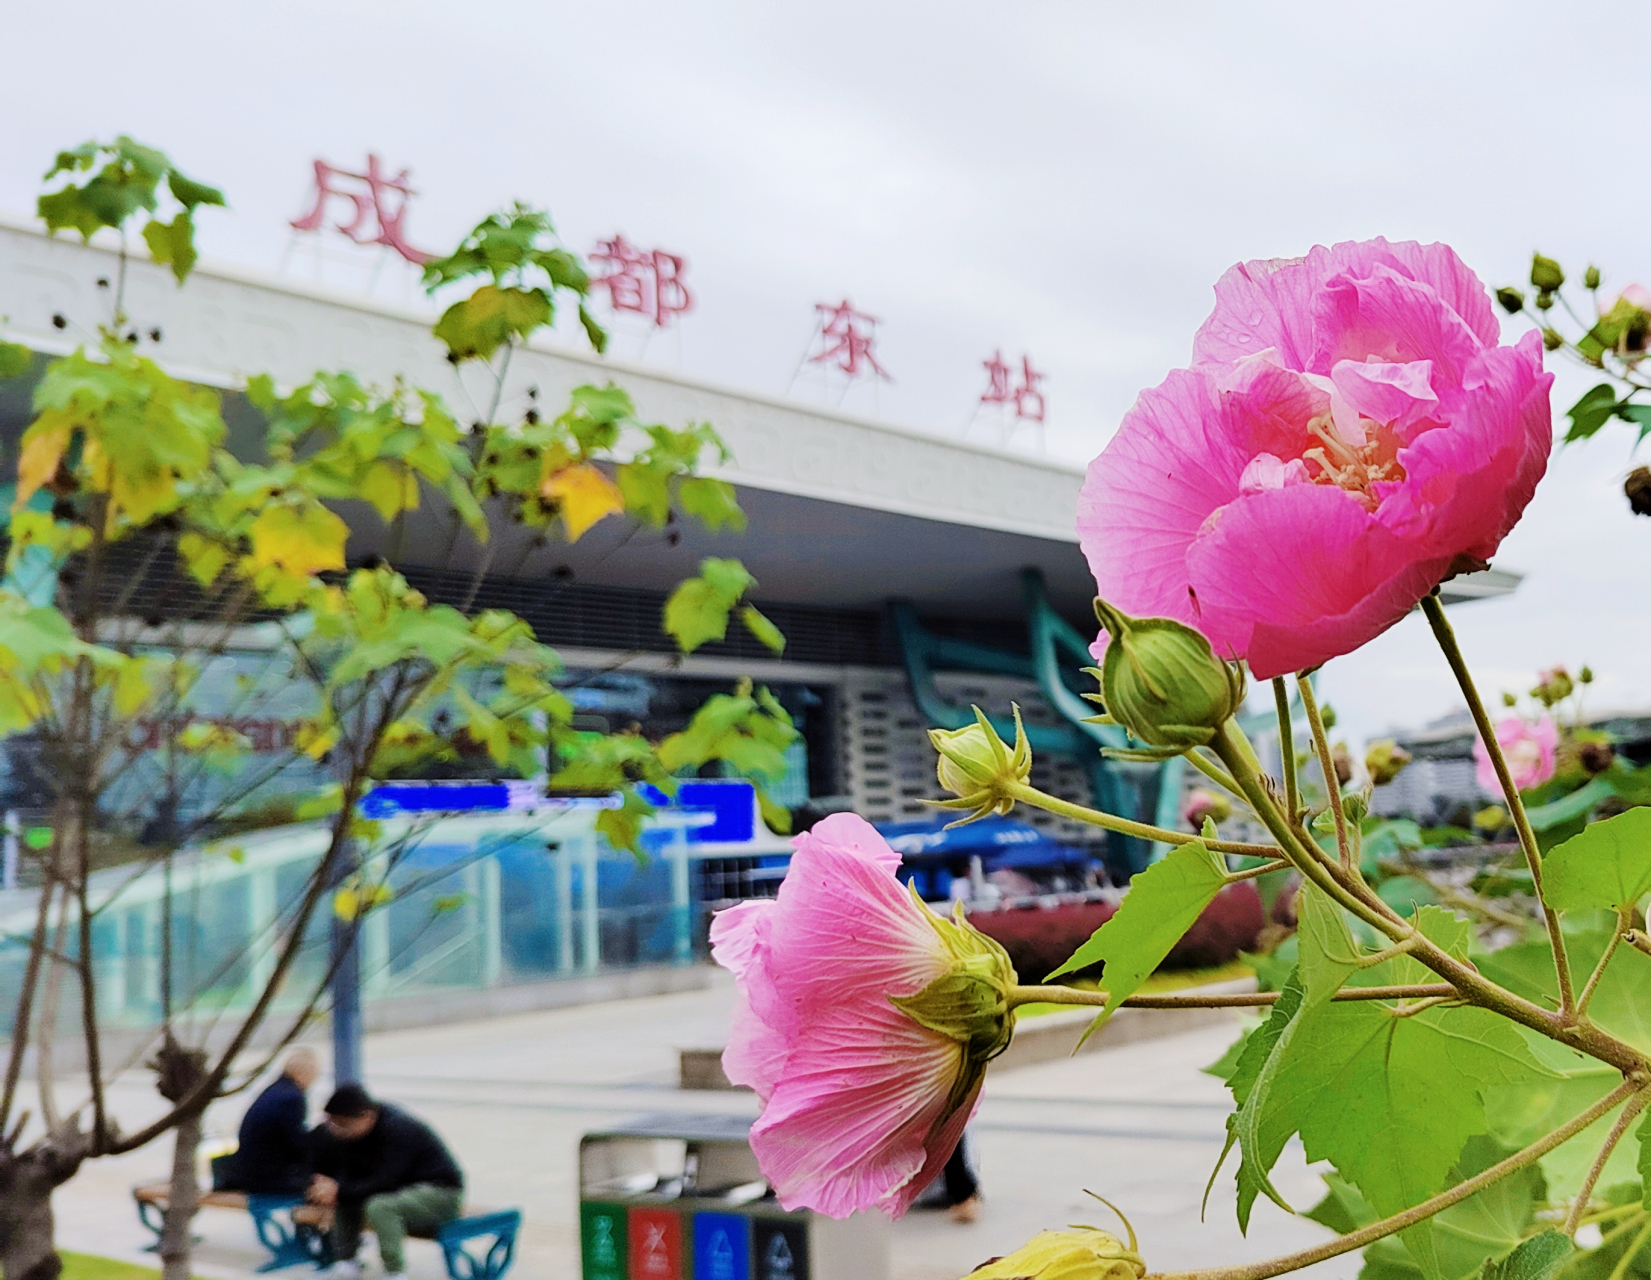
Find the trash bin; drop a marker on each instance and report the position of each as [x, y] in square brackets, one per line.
[680, 1197]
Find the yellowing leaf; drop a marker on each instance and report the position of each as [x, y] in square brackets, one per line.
[585, 495]
[300, 539]
[43, 446]
[315, 739]
[204, 558]
[391, 488]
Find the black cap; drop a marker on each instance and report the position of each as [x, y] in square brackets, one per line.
[349, 1101]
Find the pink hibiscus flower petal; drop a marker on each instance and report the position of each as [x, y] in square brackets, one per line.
[1391, 319]
[1430, 450]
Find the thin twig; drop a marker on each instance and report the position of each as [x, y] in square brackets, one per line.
[1445, 634]
[1287, 749]
[1636, 1104]
[1239, 1000]
[1327, 763]
[1625, 922]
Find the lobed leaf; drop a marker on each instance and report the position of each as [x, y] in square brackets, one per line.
[1607, 865]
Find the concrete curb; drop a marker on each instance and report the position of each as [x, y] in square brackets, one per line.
[1042, 1039]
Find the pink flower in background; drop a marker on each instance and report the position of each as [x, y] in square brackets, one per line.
[862, 1103]
[1529, 749]
[1350, 434]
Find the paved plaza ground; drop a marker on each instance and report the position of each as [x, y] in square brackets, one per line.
[1139, 1124]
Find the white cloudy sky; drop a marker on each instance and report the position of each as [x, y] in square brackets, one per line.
[1060, 178]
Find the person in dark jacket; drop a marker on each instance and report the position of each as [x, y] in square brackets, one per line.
[273, 1154]
[377, 1166]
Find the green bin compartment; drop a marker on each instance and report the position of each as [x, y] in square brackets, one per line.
[603, 1240]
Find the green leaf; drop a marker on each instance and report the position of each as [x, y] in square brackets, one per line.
[1538, 1258]
[1568, 808]
[1520, 1116]
[1163, 902]
[14, 360]
[190, 193]
[490, 317]
[1591, 412]
[697, 611]
[646, 491]
[712, 502]
[596, 333]
[1608, 865]
[762, 628]
[172, 244]
[1389, 1101]
[1263, 1123]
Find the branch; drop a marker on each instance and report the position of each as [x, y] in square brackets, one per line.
[1446, 636]
[25, 1000]
[1574, 1218]
[1422, 1212]
[1240, 1000]
[1287, 749]
[1027, 794]
[1327, 763]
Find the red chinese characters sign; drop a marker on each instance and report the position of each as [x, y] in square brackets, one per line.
[646, 281]
[376, 206]
[847, 340]
[1001, 389]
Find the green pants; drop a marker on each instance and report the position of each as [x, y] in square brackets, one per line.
[422, 1207]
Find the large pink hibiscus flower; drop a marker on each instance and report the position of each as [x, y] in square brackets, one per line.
[1349, 435]
[867, 1070]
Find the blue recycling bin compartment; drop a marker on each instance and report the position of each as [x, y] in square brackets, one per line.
[680, 1197]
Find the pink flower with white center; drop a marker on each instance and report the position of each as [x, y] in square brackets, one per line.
[1350, 434]
[865, 1024]
[1529, 748]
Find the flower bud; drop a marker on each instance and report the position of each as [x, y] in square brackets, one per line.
[1553, 686]
[1590, 278]
[1161, 680]
[1509, 700]
[1202, 804]
[1552, 340]
[1544, 301]
[1546, 274]
[1342, 760]
[1638, 489]
[1384, 761]
[1491, 819]
[1512, 300]
[977, 766]
[1585, 676]
[1083, 1253]
[1595, 757]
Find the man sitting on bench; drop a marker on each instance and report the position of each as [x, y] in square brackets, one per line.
[273, 1154]
[377, 1166]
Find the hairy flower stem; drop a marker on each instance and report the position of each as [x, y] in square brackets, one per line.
[1445, 634]
[1327, 764]
[1021, 995]
[1287, 749]
[1573, 1219]
[1422, 1212]
[1027, 794]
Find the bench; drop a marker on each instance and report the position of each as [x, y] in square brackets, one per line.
[293, 1234]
